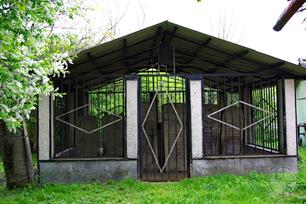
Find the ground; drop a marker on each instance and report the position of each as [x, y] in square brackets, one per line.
[252, 188]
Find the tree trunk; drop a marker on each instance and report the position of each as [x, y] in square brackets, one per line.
[1, 138]
[17, 159]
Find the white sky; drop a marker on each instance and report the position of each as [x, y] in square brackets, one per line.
[252, 21]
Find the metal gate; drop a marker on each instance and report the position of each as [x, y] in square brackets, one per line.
[164, 128]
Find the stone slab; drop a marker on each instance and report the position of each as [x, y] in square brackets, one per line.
[86, 171]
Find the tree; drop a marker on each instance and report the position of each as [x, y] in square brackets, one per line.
[225, 27]
[30, 53]
[88, 32]
[94, 24]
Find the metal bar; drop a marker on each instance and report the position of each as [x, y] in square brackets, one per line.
[239, 119]
[169, 128]
[232, 117]
[211, 128]
[222, 115]
[90, 132]
[63, 133]
[175, 130]
[219, 99]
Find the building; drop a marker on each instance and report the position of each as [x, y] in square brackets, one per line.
[166, 103]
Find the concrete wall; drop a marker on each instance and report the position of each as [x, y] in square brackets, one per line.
[86, 170]
[196, 118]
[44, 127]
[241, 165]
[132, 117]
[290, 112]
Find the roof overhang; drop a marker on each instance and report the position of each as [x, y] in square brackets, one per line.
[195, 53]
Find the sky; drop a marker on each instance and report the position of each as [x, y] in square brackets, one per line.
[248, 22]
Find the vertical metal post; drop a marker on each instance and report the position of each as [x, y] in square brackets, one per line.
[174, 69]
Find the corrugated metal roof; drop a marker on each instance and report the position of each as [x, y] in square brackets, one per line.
[195, 53]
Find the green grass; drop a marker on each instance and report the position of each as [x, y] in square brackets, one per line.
[252, 188]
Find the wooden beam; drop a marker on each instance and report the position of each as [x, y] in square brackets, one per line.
[195, 53]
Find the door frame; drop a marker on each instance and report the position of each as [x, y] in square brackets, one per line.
[185, 122]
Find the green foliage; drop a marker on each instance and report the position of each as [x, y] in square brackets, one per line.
[1, 168]
[252, 188]
[175, 86]
[30, 53]
[109, 97]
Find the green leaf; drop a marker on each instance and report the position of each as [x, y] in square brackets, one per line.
[21, 6]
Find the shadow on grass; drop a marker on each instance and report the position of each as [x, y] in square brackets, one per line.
[2, 176]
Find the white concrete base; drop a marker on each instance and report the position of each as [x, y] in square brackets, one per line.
[240, 165]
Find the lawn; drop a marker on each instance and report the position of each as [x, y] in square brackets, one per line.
[252, 188]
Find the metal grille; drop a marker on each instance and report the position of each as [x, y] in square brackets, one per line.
[240, 116]
[163, 136]
[90, 118]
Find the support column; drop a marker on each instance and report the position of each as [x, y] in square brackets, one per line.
[132, 117]
[281, 110]
[44, 127]
[290, 111]
[195, 84]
